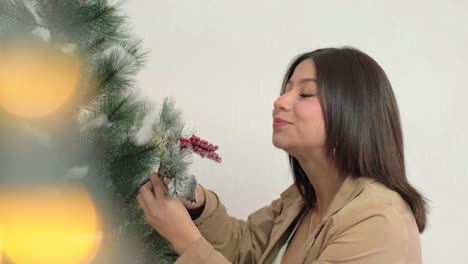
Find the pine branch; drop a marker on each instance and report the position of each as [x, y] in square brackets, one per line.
[136, 154]
[116, 109]
[108, 124]
[15, 13]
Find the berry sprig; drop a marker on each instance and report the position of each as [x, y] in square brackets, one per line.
[201, 147]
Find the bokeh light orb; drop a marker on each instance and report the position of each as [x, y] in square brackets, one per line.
[36, 80]
[1, 246]
[52, 225]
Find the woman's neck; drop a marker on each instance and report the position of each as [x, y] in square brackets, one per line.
[324, 176]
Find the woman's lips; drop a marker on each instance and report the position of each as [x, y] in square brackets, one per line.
[278, 122]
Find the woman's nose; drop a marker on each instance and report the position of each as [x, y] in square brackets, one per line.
[281, 102]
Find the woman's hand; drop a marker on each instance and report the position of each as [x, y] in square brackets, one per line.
[168, 216]
[200, 199]
[200, 196]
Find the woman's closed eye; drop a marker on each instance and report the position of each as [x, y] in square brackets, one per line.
[308, 95]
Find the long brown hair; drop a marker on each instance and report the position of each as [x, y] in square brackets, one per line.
[362, 120]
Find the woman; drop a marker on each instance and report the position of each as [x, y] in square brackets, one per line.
[338, 120]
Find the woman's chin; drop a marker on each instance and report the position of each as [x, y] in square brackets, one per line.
[285, 147]
[278, 144]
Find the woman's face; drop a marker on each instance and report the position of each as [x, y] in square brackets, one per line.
[299, 106]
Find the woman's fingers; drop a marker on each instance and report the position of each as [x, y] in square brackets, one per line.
[142, 203]
[154, 178]
[165, 182]
[159, 184]
[146, 194]
[167, 216]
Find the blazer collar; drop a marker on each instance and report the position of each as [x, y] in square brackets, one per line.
[349, 189]
[293, 204]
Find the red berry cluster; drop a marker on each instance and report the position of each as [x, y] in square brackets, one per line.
[201, 147]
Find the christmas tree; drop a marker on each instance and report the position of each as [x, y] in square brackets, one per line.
[114, 137]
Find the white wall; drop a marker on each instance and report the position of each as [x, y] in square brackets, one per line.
[223, 62]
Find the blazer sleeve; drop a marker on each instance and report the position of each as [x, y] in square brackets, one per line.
[230, 240]
[378, 238]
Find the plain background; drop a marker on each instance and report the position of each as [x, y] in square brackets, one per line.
[223, 62]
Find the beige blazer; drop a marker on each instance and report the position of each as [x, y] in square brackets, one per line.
[365, 223]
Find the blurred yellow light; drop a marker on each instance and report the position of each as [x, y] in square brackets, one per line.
[53, 226]
[35, 81]
[1, 246]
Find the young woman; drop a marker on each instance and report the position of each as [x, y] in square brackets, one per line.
[338, 120]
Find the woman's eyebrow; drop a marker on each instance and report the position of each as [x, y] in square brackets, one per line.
[304, 80]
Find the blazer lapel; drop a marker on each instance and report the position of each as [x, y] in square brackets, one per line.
[350, 188]
[282, 223]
